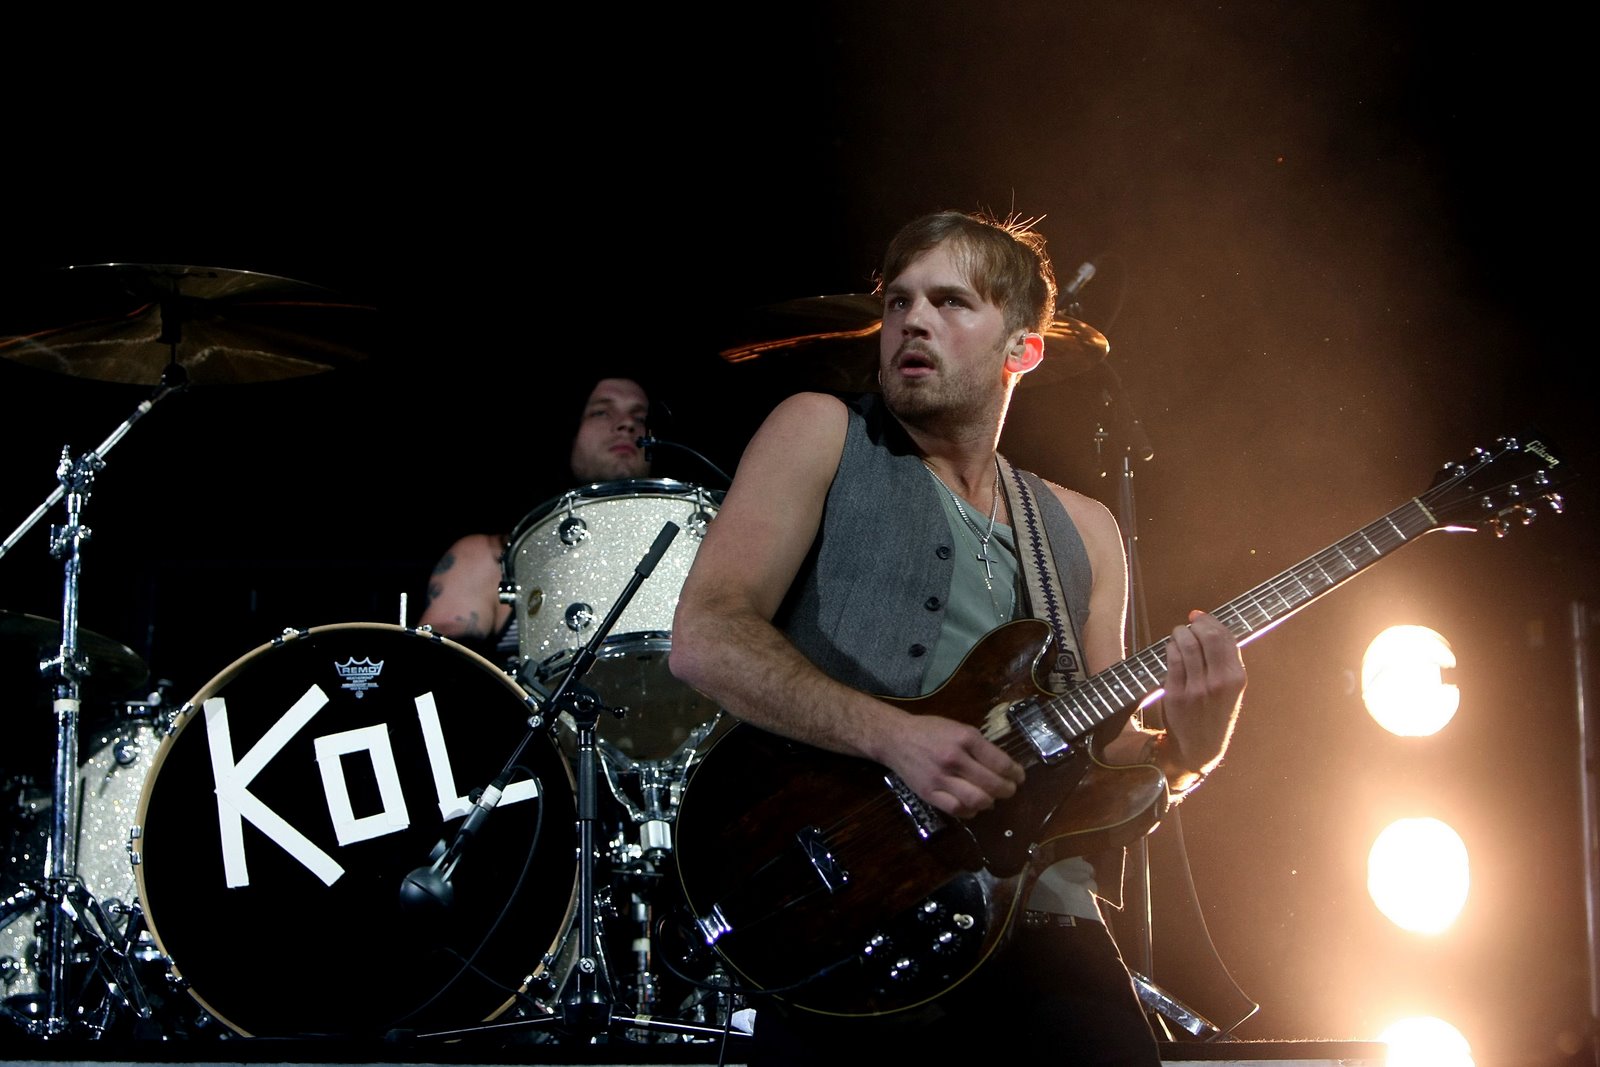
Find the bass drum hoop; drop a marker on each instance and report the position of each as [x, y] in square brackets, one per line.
[392, 943]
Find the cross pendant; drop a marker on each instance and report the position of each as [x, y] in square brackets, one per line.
[983, 558]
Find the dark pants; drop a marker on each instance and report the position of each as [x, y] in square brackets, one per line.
[1057, 995]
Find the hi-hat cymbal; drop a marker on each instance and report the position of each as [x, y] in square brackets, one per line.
[26, 640]
[135, 323]
[832, 342]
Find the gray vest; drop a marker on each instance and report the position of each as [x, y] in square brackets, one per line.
[867, 605]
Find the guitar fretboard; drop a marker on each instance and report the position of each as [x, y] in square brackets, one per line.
[1142, 675]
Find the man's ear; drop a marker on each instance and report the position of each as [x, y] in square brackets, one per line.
[1025, 353]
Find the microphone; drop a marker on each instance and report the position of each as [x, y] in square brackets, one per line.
[1085, 274]
[429, 888]
[647, 445]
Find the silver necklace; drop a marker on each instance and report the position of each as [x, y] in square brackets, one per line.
[961, 509]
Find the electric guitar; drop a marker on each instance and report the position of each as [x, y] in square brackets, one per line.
[822, 880]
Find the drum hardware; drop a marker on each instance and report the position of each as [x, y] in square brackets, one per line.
[559, 554]
[129, 323]
[98, 948]
[60, 893]
[649, 791]
[580, 996]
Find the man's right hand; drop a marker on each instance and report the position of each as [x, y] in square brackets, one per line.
[950, 764]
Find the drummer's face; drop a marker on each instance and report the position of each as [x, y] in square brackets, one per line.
[605, 448]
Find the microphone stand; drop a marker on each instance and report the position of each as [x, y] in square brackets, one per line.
[1155, 1000]
[1112, 395]
[584, 997]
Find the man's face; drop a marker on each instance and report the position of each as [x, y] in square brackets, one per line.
[942, 347]
[604, 448]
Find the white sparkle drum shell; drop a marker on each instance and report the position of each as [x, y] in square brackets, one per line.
[110, 780]
[570, 563]
[297, 791]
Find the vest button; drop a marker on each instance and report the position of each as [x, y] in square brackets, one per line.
[943, 552]
[932, 603]
[918, 650]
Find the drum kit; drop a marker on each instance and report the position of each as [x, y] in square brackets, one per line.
[404, 838]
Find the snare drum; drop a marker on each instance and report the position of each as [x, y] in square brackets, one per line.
[570, 563]
[298, 790]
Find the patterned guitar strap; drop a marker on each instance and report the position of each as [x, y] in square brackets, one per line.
[1040, 582]
[1043, 591]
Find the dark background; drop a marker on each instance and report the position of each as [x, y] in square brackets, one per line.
[1337, 245]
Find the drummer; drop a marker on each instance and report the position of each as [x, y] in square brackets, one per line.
[463, 600]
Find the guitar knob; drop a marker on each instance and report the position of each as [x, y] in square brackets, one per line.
[904, 969]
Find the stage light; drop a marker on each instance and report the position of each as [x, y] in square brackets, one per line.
[1402, 684]
[1425, 1041]
[1417, 874]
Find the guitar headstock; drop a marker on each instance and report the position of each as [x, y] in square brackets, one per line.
[1500, 487]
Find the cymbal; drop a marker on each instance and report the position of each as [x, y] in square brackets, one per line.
[114, 669]
[135, 322]
[836, 337]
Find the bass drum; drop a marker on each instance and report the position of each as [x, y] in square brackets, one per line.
[299, 789]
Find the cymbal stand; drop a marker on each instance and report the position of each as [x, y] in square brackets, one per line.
[67, 904]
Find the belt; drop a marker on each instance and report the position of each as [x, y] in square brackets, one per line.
[1035, 920]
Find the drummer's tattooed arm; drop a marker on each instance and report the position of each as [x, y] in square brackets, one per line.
[463, 593]
[447, 561]
[467, 625]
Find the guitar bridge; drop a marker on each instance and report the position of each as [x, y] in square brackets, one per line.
[924, 818]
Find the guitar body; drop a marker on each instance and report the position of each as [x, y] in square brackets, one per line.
[818, 878]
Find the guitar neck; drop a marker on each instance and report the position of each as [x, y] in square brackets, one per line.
[1142, 676]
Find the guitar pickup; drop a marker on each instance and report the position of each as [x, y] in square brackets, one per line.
[1027, 718]
[822, 860]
